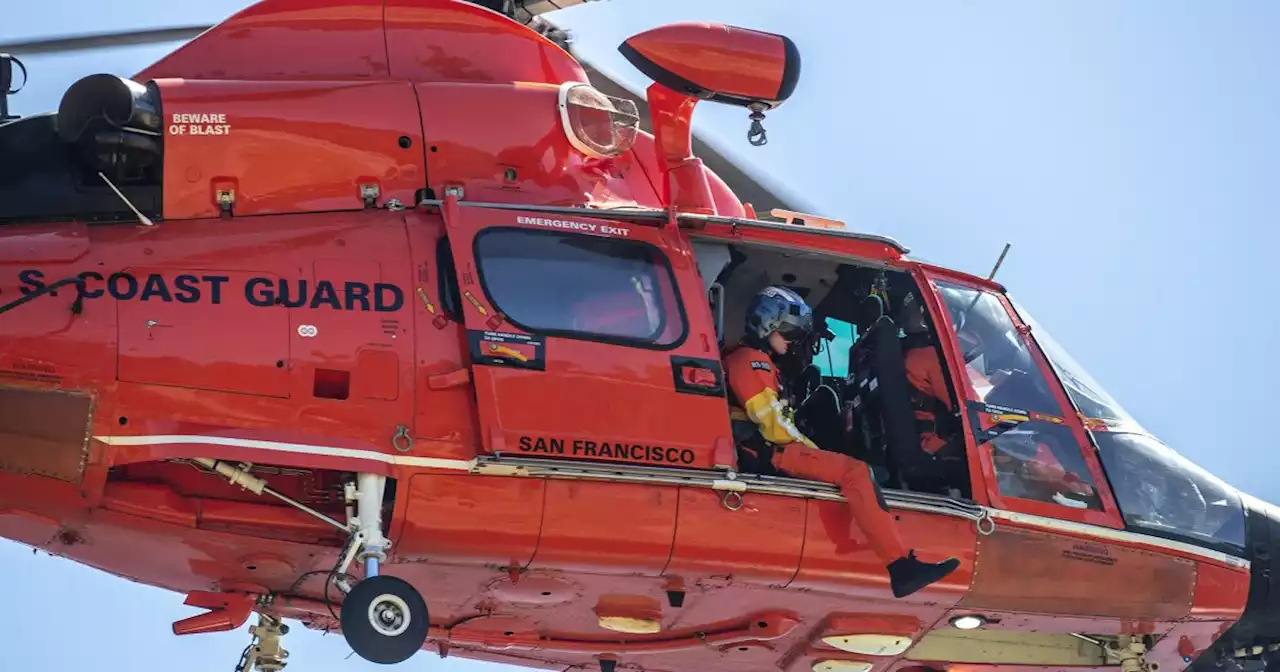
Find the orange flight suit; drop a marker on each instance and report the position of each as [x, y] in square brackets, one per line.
[924, 373]
[1044, 473]
[754, 383]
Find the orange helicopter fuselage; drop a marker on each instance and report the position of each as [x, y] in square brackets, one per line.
[310, 301]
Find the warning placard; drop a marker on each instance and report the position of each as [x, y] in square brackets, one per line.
[203, 123]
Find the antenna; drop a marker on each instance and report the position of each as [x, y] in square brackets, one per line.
[999, 261]
[141, 217]
[991, 276]
[6, 84]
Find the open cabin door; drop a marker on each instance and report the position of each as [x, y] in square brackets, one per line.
[590, 339]
[1031, 448]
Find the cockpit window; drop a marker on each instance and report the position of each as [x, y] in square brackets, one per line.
[1162, 492]
[1157, 489]
[1085, 392]
[1034, 453]
[997, 360]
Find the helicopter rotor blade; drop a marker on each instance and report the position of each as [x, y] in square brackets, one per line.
[524, 9]
[88, 41]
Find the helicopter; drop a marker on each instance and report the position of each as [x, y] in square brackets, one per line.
[288, 326]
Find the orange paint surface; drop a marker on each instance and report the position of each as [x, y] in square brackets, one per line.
[274, 318]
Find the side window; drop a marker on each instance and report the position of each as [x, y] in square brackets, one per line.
[833, 359]
[1035, 454]
[581, 286]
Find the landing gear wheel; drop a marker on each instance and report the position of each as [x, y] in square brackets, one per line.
[384, 620]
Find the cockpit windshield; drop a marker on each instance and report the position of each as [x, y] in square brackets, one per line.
[1163, 492]
[1085, 392]
[997, 360]
[1158, 490]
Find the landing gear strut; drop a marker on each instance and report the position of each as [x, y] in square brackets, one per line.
[384, 619]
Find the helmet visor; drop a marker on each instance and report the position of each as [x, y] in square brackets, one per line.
[795, 329]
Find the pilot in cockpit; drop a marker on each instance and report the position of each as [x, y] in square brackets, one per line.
[1028, 457]
[777, 319]
[996, 360]
[930, 395]
[941, 438]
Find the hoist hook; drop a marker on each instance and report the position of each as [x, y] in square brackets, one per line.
[757, 135]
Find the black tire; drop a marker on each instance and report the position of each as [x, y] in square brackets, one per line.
[384, 643]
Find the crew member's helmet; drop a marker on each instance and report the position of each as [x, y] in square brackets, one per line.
[781, 310]
[912, 315]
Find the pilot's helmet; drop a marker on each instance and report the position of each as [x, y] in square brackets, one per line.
[911, 315]
[963, 320]
[782, 310]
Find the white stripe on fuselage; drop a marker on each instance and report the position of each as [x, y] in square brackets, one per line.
[1042, 522]
[296, 448]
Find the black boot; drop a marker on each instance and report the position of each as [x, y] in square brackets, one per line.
[907, 575]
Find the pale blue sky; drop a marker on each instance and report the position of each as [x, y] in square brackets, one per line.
[1129, 151]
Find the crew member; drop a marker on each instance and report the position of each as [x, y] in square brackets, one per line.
[776, 319]
[1035, 468]
[929, 393]
[941, 465]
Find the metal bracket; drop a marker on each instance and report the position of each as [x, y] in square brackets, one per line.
[990, 527]
[450, 206]
[402, 441]
[1132, 653]
[369, 194]
[265, 653]
[226, 199]
[756, 135]
[731, 500]
[6, 84]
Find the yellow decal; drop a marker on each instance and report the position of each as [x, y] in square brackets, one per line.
[422, 294]
[507, 352]
[476, 303]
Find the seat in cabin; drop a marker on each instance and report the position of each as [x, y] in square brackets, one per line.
[883, 422]
[818, 414]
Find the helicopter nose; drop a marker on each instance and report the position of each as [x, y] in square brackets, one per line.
[1253, 643]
